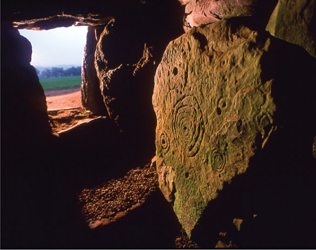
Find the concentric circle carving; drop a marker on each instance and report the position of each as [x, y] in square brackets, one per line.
[218, 160]
[188, 125]
[164, 142]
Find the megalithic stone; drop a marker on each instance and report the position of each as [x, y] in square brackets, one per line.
[294, 21]
[214, 111]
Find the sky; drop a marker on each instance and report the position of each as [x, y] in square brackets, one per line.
[55, 47]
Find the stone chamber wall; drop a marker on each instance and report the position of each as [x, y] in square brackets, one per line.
[222, 92]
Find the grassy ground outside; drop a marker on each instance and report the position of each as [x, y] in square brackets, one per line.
[56, 83]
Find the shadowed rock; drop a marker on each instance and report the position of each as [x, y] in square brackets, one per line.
[295, 21]
[31, 184]
[25, 109]
[90, 87]
[126, 58]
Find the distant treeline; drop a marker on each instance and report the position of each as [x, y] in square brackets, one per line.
[58, 72]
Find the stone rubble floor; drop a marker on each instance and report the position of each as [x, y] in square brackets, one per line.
[114, 199]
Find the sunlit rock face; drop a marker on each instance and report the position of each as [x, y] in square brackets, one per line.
[204, 12]
[214, 112]
[295, 22]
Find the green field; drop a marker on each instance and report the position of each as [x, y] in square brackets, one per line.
[67, 82]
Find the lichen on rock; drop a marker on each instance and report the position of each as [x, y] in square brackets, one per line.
[214, 110]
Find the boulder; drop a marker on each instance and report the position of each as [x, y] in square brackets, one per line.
[204, 12]
[25, 109]
[235, 127]
[295, 21]
[123, 63]
[214, 111]
[31, 180]
[126, 58]
[91, 97]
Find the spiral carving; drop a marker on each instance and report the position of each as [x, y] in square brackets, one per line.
[218, 160]
[188, 125]
[164, 142]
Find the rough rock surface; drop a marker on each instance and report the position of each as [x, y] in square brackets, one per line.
[278, 185]
[42, 15]
[214, 111]
[23, 94]
[112, 69]
[30, 180]
[90, 87]
[119, 58]
[204, 12]
[295, 21]
[125, 60]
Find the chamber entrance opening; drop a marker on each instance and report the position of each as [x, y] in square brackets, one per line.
[57, 55]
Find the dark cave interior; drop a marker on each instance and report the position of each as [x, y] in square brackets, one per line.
[41, 172]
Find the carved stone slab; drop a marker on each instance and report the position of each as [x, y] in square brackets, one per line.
[214, 111]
